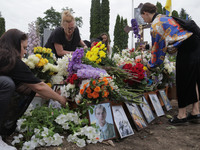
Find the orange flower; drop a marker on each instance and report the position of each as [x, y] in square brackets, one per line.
[94, 82]
[105, 80]
[81, 91]
[111, 88]
[78, 101]
[97, 138]
[88, 90]
[102, 87]
[89, 95]
[84, 86]
[95, 95]
[105, 94]
[97, 89]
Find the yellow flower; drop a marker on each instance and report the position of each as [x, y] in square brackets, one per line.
[39, 56]
[98, 60]
[102, 54]
[94, 58]
[44, 50]
[49, 84]
[145, 68]
[98, 44]
[102, 46]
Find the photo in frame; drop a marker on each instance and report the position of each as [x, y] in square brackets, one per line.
[136, 116]
[103, 119]
[146, 109]
[156, 104]
[121, 121]
[165, 100]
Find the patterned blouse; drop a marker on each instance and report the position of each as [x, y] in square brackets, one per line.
[166, 36]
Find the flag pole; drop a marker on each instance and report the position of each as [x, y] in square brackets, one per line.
[132, 18]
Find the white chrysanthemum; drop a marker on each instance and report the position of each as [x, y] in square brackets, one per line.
[33, 59]
[50, 67]
[63, 64]
[30, 64]
[56, 79]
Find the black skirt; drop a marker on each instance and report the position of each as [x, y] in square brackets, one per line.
[188, 71]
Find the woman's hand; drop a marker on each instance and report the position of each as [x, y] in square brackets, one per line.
[85, 46]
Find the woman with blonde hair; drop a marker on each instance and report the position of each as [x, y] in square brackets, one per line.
[66, 38]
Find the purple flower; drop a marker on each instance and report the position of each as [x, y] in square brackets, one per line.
[90, 73]
[76, 59]
[135, 28]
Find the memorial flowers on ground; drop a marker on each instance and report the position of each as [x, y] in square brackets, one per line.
[41, 63]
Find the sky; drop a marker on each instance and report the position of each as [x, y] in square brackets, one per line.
[19, 13]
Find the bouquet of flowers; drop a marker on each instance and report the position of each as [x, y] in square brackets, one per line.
[41, 63]
[123, 57]
[97, 53]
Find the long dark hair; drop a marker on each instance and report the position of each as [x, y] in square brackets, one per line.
[10, 49]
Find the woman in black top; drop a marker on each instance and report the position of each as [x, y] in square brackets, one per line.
[65, 39]
[18, 84]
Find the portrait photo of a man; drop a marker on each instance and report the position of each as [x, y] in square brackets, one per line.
[103, 119]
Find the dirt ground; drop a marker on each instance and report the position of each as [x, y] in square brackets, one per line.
[158, 135]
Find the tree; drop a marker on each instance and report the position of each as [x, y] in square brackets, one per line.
[2, 25]
[105, 16]
[99, 18]
[159, 8]
[52, 19]
[125, 35]
[175, 13]
[95, 21]
[116, 36]
[182, 13]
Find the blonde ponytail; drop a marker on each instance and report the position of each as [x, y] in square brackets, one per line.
[66, 17]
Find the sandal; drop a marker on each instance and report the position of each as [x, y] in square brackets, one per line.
[176, 122]
[193, 118]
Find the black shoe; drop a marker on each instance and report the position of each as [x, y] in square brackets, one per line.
[193, 118]
[176, 122]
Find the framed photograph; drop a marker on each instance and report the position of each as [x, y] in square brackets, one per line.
[156, 104]
[146, 109]
[136, 115]
[103, 119]
[165, 100]
[123, 126]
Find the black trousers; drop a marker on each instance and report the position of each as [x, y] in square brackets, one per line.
[188, 71]
[12, 105]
